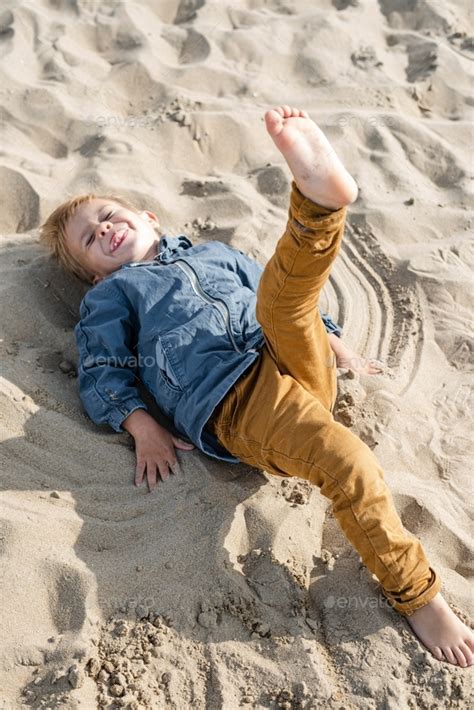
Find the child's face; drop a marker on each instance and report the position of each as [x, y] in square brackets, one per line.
[103, 235]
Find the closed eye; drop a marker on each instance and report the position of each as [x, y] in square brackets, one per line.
[92, 236]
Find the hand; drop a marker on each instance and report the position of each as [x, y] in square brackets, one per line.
[154, 447]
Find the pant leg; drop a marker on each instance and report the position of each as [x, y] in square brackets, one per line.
[289, 291]
[270, 421]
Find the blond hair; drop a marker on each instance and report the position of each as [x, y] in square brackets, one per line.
[53, 232]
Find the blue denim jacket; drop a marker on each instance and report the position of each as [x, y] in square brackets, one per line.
[184, 324]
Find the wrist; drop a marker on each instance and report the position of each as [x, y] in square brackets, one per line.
[137, 421]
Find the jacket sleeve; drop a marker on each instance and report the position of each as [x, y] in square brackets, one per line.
[107, 367]
[249, 272]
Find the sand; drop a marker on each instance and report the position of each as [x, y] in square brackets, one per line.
[228, 588]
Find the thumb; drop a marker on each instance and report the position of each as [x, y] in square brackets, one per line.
[180, 444]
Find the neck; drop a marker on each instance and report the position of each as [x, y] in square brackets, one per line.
[152, 251]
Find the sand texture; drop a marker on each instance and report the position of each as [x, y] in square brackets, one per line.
[227, 587]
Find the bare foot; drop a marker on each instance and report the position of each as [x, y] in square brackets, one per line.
[440, 630]
[317, 170]
[361, 365]
[350, 360]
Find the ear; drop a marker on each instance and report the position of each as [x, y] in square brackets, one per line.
[96, 280]
[149, 217]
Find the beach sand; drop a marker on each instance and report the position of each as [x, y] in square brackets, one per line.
[227, 587]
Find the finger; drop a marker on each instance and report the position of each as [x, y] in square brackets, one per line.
[151, 474]
[140, 472]
[180, 444]
[176, 467]
[164, 470]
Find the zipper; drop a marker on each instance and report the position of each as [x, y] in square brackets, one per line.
[220, 305]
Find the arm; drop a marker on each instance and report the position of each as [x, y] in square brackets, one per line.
[107, 374]
[107, 366]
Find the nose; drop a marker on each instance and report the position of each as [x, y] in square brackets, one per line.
[102, 229]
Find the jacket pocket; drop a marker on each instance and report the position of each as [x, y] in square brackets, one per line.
[168, 375]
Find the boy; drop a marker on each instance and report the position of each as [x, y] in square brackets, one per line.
[244, 379]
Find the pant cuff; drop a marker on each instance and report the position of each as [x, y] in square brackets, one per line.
[406, 608]
[309, 213]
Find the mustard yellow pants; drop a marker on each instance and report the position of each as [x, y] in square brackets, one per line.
[277, 417]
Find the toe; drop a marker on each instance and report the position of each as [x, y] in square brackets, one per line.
[375, 367]
[468, 654]
[437, 653]
[304, 114]
[286, 111]
[462, 654]
[295, 112]
[273, 122]
[459, 656]
[449, 655]
[280, 110]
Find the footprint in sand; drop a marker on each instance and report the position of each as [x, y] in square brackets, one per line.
[67, 594]
[422, 55]
[416, 14]
[272, 180]
[195, 48]
[19, 202]
[187, 11]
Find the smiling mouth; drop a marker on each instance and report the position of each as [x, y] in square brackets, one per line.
[117, 239]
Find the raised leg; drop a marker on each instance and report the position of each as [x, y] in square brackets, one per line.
[291, 284]
[288, 295]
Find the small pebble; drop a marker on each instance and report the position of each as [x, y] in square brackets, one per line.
[119, 679]
[93, 667]
[66, 366]
[116, 690]
[141, 611]
[75, 677]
